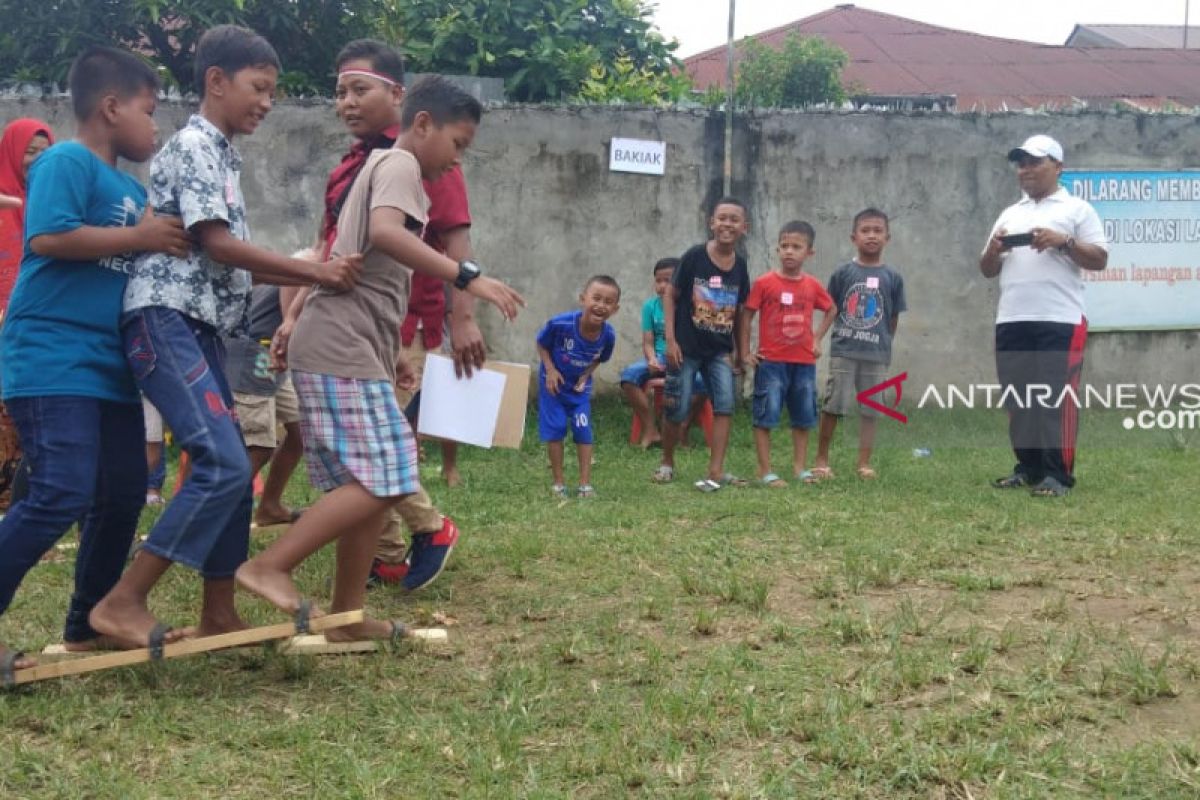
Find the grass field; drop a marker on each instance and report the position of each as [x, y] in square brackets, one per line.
[922, 635]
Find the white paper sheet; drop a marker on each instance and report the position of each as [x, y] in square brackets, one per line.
[462, 409]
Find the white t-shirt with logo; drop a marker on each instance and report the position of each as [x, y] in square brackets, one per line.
[1046, 286]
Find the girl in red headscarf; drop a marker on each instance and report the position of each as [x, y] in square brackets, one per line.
[23, 141]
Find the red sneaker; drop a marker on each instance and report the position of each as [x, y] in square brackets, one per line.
[429, 554]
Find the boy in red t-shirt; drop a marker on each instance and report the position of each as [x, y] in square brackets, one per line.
[785, 364]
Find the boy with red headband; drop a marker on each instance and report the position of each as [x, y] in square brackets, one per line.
[370, 88]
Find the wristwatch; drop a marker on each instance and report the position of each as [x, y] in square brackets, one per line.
[1067, 246]
[467, 272]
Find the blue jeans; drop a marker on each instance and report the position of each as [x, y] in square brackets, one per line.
[178, 364]
[777, 384]
[718, 378]
[85, 466]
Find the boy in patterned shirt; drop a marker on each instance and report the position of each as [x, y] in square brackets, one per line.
[175, 313]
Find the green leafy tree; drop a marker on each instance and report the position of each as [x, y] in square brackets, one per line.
[543, 49]
[806, 70]
[597, 50]
[41, 37]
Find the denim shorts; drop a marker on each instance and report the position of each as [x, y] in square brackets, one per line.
[777, 384]
[717, 372]
[638, 373]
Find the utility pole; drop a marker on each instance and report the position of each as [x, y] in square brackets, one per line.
[729, 106]
[1186, 4]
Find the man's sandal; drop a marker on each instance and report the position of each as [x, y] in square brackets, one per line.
[1050, 487]
[1015, 481]
[772, 481]
[821, 474]
[866, 473]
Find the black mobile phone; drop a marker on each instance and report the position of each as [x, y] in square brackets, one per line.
[1017, 239]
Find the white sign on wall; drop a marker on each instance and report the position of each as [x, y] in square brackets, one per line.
[638, 155]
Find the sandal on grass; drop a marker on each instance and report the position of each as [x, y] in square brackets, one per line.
[707, 486]
[663, 474]
[772, 481]
[1050, 487]
[1015, 481]
[821, 473]
[866, 473]
[806, 476]
[729, 479]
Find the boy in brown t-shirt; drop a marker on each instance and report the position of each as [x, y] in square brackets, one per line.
[344, 355]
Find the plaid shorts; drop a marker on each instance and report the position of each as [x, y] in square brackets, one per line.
[354, 431]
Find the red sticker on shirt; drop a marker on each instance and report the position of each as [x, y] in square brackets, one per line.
[715, 281]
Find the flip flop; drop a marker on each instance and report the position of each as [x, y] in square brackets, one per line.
[729, 479]
[806, 477]
[866, 473]
[821, 473]
[1050, 487]
[772, 481]
[707, 486]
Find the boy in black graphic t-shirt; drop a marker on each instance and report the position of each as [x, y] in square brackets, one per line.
[701, 310]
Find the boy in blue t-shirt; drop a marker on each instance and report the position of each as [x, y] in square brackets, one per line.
[571, 346]
[654, 353]
[65, 380]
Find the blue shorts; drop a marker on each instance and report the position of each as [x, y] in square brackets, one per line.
[777, 383]
[638, 373]
[557, 412]
[680, 386]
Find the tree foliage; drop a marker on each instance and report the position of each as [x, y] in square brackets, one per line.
[806, 70]
[543, 49]
[600, 50]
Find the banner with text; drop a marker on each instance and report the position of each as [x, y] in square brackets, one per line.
[1152, 222]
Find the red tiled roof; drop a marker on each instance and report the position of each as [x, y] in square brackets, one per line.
[894, 56]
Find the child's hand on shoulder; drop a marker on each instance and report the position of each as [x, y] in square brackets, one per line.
[554, 378]
[162, 235]
[499, 294]
[341, 273]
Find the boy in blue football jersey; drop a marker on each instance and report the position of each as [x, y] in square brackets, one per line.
[571, 346]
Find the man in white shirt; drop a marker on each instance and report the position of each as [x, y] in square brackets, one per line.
[1038, 247]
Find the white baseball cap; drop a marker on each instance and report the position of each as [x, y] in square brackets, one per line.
[1038, 146]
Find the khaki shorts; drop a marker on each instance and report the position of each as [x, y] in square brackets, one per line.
[259, 416]
[848, 377]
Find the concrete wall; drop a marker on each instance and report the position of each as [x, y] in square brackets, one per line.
[549, 213]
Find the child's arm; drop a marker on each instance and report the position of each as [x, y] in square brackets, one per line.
[152, 234]
[739, 330]
[387, 232]
[648, 351]
[827, 318]
[8, 201]
[222, 246]
[894, 323]
[674, 354]
[554, 378]
[746, 318]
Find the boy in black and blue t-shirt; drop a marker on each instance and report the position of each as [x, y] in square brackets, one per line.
[571, 346]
